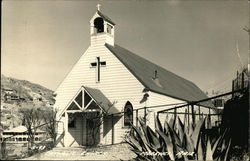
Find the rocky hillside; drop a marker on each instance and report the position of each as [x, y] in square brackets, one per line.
[17, 93]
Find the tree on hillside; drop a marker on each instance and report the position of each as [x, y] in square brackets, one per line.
[49, 118]
[32, 118]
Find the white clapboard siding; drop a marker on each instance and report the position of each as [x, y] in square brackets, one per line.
[117, 84]
[156, 99]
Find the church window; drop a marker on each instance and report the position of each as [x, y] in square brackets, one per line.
[98, 22]
[73, 106]
[79, 99]
[128, 114]
[87, 99]
[109, 28]
[76, 104]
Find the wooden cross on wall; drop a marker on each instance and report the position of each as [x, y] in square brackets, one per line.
[98, 64]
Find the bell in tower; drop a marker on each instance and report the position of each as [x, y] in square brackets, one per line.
[101, 28]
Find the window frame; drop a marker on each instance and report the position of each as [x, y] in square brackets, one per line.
[128, 106]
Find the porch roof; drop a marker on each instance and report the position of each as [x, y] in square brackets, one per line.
[101, 100]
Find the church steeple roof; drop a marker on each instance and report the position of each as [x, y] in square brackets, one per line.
[106, 18]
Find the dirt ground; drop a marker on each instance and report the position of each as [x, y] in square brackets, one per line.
[111, 152]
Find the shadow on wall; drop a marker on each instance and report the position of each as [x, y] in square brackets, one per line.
[75, 128]
[109, 123]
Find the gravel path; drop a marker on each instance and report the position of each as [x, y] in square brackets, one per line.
[112, 152]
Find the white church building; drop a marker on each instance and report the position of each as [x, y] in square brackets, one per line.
[115, 82]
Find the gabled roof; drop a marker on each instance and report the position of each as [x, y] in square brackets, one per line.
[101, 100]
[167, 83]
[21, 129]
[106, 18]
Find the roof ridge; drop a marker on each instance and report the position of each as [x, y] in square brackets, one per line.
[105, 17]
[172, 85]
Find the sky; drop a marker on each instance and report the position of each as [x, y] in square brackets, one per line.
[41, 40]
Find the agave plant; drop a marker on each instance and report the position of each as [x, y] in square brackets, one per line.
[174, 141]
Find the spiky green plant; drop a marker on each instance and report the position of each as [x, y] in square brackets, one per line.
[174, 141]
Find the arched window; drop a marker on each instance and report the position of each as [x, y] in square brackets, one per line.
[128, 114]
[98, 22]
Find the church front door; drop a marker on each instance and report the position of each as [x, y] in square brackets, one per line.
[93, 123]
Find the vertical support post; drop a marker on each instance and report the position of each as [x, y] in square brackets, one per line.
[101, 127]
[87, 130]
[82, 98]
[218, 118]
[199, 112]
[136, 117]
[145, 114]
[105, 27]
[209, 118]
[112, 123]
[188, 116]
[175, 114]
[66, 121]
[193, 117]
[81, 130]
[185, 117]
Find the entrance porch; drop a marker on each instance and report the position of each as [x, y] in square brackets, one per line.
[88, 119]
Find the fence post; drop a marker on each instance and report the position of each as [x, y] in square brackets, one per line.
[188, 116]
[193, 117]
[199, 112]
[209, 118]
[175, 114]
[136, 117]
[112, 120]
[185, 117]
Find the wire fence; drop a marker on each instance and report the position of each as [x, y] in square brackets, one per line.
[17, 145]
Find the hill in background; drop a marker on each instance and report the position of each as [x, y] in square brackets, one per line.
[15, 94]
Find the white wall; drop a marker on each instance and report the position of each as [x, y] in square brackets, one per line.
[116, 83]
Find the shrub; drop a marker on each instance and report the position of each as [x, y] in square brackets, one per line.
[174, 141]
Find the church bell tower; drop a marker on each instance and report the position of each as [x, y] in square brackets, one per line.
[102, 29]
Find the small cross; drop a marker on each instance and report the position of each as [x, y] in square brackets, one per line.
[98, 64]
[98, 7]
